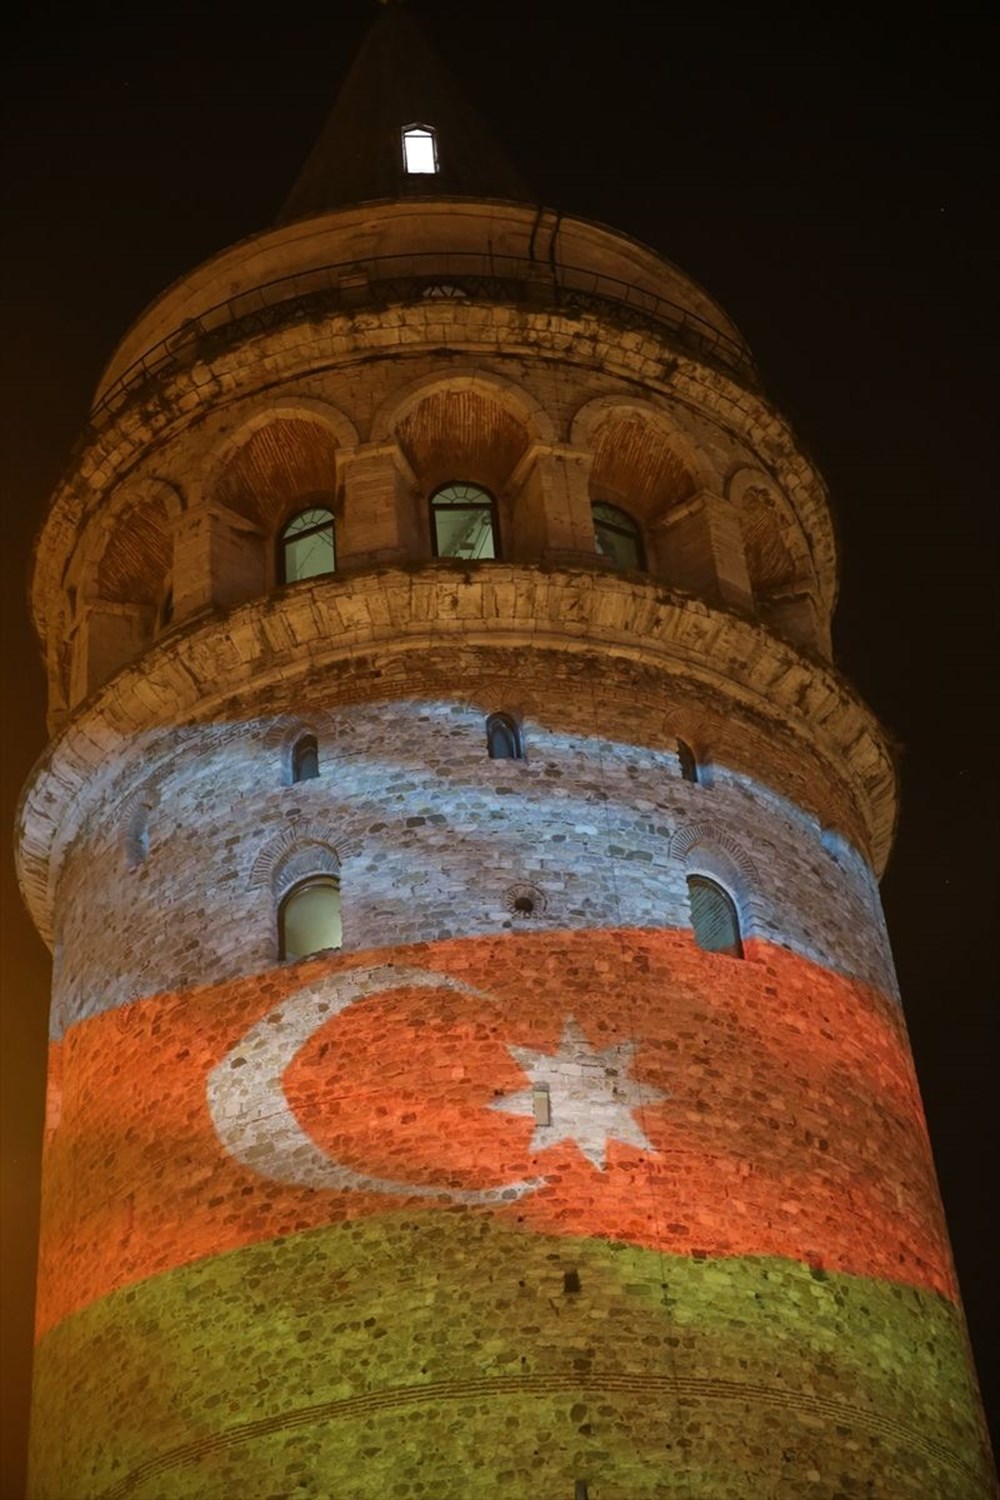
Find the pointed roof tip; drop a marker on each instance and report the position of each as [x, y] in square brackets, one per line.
[398, 80]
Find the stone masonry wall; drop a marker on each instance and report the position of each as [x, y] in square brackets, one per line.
[431, 835]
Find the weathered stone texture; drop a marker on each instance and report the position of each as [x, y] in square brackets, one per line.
[492, 1201]
[432, 832]
[254, 1335]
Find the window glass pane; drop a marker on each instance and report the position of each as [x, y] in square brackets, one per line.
[307, 545]
[462, 531]
[617, 536]
[305, 760]
[311, 919]
[689, 766]
[502, 739]
[713, 917]
[418, 151]
[462, 516]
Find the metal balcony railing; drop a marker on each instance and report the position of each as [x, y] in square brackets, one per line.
[436, 275]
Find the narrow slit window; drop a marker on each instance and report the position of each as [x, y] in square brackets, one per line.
[307, 545]
[714, 917]
[617, 536]
[309, 918]
[166, 615]
[305, 759]
[420, 157]
[463, 522]
[503, 739]
[689, 763]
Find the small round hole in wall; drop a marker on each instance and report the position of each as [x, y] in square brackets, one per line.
[524, 901]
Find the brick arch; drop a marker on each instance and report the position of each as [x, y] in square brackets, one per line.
[278, 454]
[131, 556]
[265, 410]
[301, 850]
[283, 733]
[514, 399]
[285, 730]
[135, 814]
[647, 465]
[780, 564]
[586, 424]
[776, 548]
[710, 836]
[706, 849]
[498, 697]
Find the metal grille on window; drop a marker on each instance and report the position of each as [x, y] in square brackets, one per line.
[713, 917]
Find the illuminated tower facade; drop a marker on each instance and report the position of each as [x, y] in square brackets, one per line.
[477, 1067]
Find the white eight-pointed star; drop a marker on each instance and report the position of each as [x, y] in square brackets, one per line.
[591, 1095]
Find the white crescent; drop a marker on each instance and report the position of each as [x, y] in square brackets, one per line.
[251, 1113]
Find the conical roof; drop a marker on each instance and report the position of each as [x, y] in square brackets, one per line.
[397, 82]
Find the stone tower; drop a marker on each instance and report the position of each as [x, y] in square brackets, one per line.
[477, 1068]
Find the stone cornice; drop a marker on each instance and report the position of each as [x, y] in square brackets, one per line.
[211, 670]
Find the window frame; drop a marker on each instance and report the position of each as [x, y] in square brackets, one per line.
[632, 530]
[320, 878]
[509, 725]
[305, 745]
[417, 128]
[489, 503]
[688, 762]
[735, 949]
[321, 502]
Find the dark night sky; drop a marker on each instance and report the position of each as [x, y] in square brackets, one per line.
[826, 176]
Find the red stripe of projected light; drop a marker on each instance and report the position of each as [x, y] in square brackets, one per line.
[786, 1119]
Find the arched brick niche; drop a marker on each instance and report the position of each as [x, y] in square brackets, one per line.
[278, 465]
[644, 464]
[122, 590]
[476, 429]
[781, 573]
[709, 850]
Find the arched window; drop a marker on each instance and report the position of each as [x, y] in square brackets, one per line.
[503, 738]
[419, 150]
[305, 759]
[306, 546]
[617, 536]
[713, 917]
[309, 917]
[463, 521]
[689, 765]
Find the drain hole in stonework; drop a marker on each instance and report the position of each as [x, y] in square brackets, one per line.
[571, 1283]
[580, 1491]
[525, 905]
